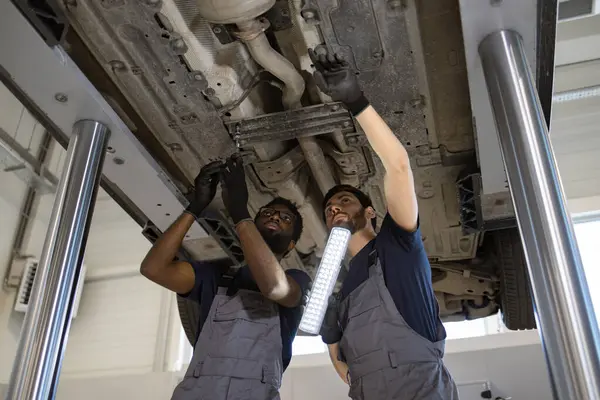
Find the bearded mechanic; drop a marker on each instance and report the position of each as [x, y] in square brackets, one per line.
[384, 334]
[247, 324]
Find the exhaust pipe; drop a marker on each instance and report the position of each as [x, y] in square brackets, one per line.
[252, 34]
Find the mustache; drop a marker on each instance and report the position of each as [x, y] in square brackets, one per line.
[340, 213]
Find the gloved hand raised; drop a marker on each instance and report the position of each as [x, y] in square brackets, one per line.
[234, 189]
[336, 79]
[205, 188]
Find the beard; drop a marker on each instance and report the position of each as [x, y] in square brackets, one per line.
[278, 242]
[354, 223]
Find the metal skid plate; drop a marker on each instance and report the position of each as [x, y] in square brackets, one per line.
[51, 81]
[373, 37]
[287, 125]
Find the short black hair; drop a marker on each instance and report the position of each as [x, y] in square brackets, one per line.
[298, 222]
[362, 197]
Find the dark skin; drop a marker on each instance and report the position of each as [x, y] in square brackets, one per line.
[270, 277]
[179, 276]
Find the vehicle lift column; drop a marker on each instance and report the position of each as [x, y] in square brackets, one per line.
[564, 311]
[45, 330]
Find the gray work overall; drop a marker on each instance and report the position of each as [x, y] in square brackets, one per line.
[238, 353]
[386, 358]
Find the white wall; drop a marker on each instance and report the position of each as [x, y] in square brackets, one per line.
[22, 127]
[117, 330]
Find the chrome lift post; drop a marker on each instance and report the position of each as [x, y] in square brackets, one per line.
[46, 327]
[565, 316]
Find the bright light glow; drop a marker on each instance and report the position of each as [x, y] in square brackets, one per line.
[303, 345]
[587, 233]
[324, 282]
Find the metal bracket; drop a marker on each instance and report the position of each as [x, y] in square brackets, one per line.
[222, 33]
[280, 16]
[47, 18]
[469, 189]
[273, 172]
[287, 125]
[471, 208]
[220, 229]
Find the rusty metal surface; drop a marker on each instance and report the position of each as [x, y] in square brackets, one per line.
[143, 56]
[321, 119]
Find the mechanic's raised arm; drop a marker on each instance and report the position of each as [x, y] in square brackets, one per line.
[269, 275]
[335, 77]
[159, 265]
[399, 185]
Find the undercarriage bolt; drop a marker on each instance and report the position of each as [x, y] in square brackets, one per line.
[61, 97]
[335, 107]
[352, 140]
[417, 102]
[217, 30]
[175, 147]
[179, 45]
[117, 66]
[346, 124]
[309, 14]
[394, 4]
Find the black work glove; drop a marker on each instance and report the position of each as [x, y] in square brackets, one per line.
[336, 79]
[205, 188]
[234, 189]
[330, 329]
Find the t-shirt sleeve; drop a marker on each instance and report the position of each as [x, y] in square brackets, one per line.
[408, 278]
[206, 277]
[409, 241]
[301, 278]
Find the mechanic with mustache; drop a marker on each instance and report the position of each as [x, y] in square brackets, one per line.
[384, 334]
[246, 325]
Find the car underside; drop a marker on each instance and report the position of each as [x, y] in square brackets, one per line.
[199, 80]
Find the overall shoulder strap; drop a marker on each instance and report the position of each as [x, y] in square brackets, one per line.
[226, 285]
[373, 260]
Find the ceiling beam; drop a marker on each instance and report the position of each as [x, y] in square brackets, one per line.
[577, 40]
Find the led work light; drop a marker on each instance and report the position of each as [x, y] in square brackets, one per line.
[324, 282]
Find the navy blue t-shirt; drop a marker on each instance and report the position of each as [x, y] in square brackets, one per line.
[407, 275]
[208, 275]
